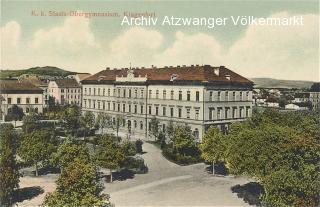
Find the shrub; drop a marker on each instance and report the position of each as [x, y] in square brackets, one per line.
[135, 164]
[139, 146]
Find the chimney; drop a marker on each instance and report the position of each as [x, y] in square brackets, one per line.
[107, 68]
[216, 71]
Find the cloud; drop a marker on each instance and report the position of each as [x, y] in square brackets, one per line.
[191, 49]
[290, 52]
[10, 35]
[136, 45]
[72, 36]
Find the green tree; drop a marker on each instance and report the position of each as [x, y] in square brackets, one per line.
[128, 148]
[170, 132]
[37, 147]
[154, 128]
[71, 116]
[9, 176]
[30, 122]
[184, 142]
[109, 153]
[213, 146]
[78, 185]
[87, 121]
[103, 121]
[67, 151]
[119, 120]
[15, 114]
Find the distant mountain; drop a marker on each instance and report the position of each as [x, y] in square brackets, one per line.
[47, 70]
[275, 83]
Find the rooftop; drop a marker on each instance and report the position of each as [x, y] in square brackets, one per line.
[67, 83]
[16, 87]
[198, 73]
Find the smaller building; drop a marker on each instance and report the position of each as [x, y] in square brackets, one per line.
[65, 91]
[25, 95]
[301, 97]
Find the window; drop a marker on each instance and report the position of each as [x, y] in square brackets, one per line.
[150, 109]
[188, 95]
[171, 94]
[129, 108]
[219, 113]
[157, 94]
[62, 90]
[135, 109]
[141, 109]
[94, 91]
[197, 96]
[114, 106]
[210, 97]
[196, 114]
[180, 95]
[226, 113]
[164, 95]
[196, 133]
[241, 112]
[98, 104]
[211, 113]
[108, 106]
[89, 91]
[98, 91]
[28, 100]
[188, 113]
[157, 110]
[124, 93]
[247, 111]
[240, 95]
[129, 93]
[142, 94]
[85, 91]
[108, 91]
[9, 100]
[104, 92]
[118, 95]
[150, 93]
[219, 95]
[124, 108]
[135, 124]
[135, 93]
[179, 112]
[234, 112]
[226, 98]
[164, 111]
[141, 125]
[233, 95]
[18, 100]
[247, 95]
[171, 112]
[94, 104]
[118, 107]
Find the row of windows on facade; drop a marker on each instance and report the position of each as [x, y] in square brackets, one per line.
[123, 94]
[19, 101]
[68, 90]
[163, 126]
[27, 110]
[229, 112]
[71, 96]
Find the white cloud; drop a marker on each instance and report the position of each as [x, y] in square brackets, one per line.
[280, 52]
[136, 45]
[10, 35]
[191, 49]
[73, 35]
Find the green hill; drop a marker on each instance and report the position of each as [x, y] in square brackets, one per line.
[46, 71]
[275, 83]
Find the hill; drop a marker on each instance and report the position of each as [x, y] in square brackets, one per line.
[47, 71]
[275, 83]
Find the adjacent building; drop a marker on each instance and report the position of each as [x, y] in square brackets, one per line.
[199, 96]
[23, 94]
[65, 91]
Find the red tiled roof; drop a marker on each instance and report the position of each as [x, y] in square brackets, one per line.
[187, 73]
[16, 87]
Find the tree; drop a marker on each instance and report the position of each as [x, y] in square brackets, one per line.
[78, 185]
[71, 116]
[87, 121]
[15, 114]
[37, 146]
[154, 128]
[184, 142]
[30, 122]
[139, 144]
[128, 148]
[109, 154]
[170, 131]
[103, 120]
[69, 151]
[9, 176]
[281, 150]
[212, 146]
[118, 122]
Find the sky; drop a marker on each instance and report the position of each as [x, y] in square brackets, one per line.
[92, 44]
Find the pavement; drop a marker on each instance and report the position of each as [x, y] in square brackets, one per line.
[168, 184]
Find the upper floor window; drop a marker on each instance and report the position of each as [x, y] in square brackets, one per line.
[89, 91]
[108, 91]
[150, 94]
[141, 109]
[85, 91]
[94, 91]
[104, 92]
[142, 94]
[247, 95]
[188, 113]
[233, 95]
[136, 93]
[98, 91]
[180, 95]
[171, 112]
[124, 108]
[219, 113]
[164, 94]
[9, 100]
[226, 96]
[164, 111]
[36, 100]
[210, 97]
[197, 114]
[62, 90]
[197, 96]
[240, 95]
[28, 100]
[18, 100]
[124, 93]
[157, 110]
[157, 94]
[150, 109]
[129, 93]
[179, 112]
[129, 108]
[135, 109]
[188, 95]
[219, 95]
[171, 94]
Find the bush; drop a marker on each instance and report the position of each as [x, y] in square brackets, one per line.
[180, 159]
[139, 146]
[128, 148]
[135, 164]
